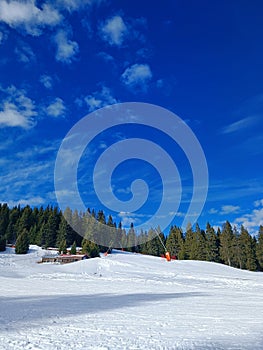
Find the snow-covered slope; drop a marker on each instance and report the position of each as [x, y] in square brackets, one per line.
[127, 301]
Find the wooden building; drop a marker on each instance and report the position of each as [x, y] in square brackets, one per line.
[63, 258]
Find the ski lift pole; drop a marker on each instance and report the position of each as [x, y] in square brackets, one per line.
[167, 254]
[109, 248]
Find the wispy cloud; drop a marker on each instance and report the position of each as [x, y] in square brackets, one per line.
[32, 201]
[117, 31]
[24, 53]
[127, 218]
[239, 125]
[47, 81]
[252, 144]
[105, 56]
[99, 99]
[229, 209]
[32, 182]
[1, 37]
[66, 48]
[213, 211]
[114, 30]
[254, 219]
[219, 190]
[28, 17]
[137, 76]
[225, 210]
[258, 203]
[27, 178]
[16, 109]
[75, 5]
[56, 108]
[47, 148]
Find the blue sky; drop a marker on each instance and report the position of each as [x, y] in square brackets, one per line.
[202, 60]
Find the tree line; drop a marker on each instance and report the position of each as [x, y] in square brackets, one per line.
[47, 227]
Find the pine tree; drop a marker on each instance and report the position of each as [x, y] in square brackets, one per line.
[4, 219]
[251, 263]
[124, 238]
[68, 215]
[22, 242]
[110, 222]
[63, 247]
[226, 244]
[191, 244]
[142, 242]
[11, 231]
[200, 243]
[259, 247]
[239, 246]
[77, 227]
[62, 231]
[175, 242]
[131, 239]
[93, 230]
[118, 236]
[212, 244]
[33, 234]
[50, 231]
[195, 243]
[26, 220]
[110, 232]
[2, 243]
[90, 248]
[101, 217]
[73, 249]
[153, 245]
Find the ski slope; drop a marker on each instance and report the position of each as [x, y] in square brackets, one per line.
[127, 301]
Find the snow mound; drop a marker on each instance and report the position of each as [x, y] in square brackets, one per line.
[127, 301]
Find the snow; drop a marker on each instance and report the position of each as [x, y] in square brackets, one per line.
[127, 301]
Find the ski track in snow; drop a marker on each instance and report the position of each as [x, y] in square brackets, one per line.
[127, 301]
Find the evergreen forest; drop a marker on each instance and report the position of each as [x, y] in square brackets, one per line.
[47, 227]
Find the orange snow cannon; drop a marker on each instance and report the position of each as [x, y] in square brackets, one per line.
[168, 257]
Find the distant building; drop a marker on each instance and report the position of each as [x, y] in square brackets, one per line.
[63, 258]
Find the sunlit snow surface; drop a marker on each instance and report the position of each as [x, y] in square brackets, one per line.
[127, 301]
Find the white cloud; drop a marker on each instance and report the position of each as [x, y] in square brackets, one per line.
[56, 108]
[1, 37]
[144, 53]
[126, 190]
[17, 110]
[75, 5]
[229, 209]
[239, 125]
[213, 211]
[258, 203]
[27, 16]
[159, 83]
[138, 75]
[32, 174]
[34, 151]
[100, 99]
[66, 49]
[105, 56]
[47, 81]
[253, 220]
[24, 53]
[32, 201]
[127, 219]
[114, 30]
[174, 213]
